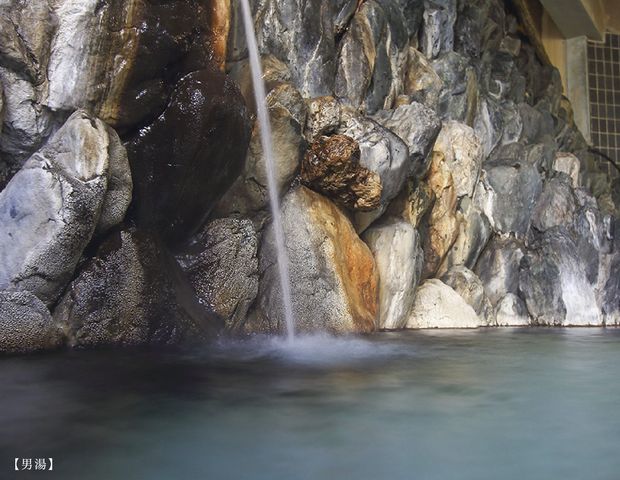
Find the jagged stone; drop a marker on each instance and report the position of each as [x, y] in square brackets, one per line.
[474, 231]
[300, 34]
[395, 245]
[275, 72]
[459, 97]
[513, 123]
[611, 293]
[569, 164]
[413, 203]
[373, 56]
[25, 34]
[554, 283]
[345, 10]
[438, 31]
[221, 264]
[462, 152]
[511, 46]
[556, 205]
[498, 267]
[331, 167]
[422, 82]
[511, 312]
[480, 26]
[440, 229]
[418, 126]
[413, 11]
[540, 286]
[323, 117]
[507, 194]
[333, 274]
[488, 124]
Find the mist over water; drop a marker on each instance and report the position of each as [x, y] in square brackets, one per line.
[264, 123]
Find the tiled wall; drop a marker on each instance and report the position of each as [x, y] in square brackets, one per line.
[604, 92]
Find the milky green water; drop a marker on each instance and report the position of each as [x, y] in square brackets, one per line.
[488, 404]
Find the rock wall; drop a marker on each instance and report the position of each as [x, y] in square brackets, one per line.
[430, 173]
[435, 128]
[120, 132]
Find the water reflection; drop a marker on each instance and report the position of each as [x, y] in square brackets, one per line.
[433, 405]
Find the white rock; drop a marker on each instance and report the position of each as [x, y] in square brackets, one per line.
[511, 312]
[568, 164]
[398, 255]
[462, 150]
[436, 305]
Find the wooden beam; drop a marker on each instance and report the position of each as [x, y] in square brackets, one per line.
[576, 18]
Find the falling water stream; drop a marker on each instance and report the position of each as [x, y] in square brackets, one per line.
[268, 154]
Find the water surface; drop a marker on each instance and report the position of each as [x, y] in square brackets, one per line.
[486, 404]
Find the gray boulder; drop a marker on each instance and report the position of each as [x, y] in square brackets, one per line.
[459, 98]
[301, 34]
[26, 324]
[395, 245]
[498, 267]
[418, 126]
[556, 205]
[507, 194]
[25, 34]
[513, 123]
[611, 293]
[463, 155]
[222, 265]
[569, 164]
[50, 209]
[345, 10]
[474, 231]
[511, 312]
[438, 29]
[373, 56]
[488, 124]
[131, 293]
[540, 286]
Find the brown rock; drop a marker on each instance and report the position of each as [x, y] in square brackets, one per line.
[331, 166]
[189, 156]
[413, 203]
[333, 274]
[442, 225]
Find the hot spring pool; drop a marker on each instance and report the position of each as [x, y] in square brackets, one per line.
[486, 404]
